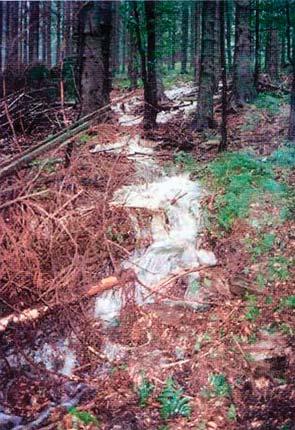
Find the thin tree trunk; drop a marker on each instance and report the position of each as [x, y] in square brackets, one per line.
[184, 33]
[243, 77]
[223, 142]
[58, 32]
[34, 32]
[124, 48]
[150, 90]
[1, 35]
[26, 34]
[257, 44]
[48, 33]
[217, 68]
[198, 15]
[7, 33]
[204, 118]
[272, 64]
[228, 35]
[288, 31]
[173, 44]
[132, 63]
[193, 7]
[44, 27]
[67, 28]
[291, 131]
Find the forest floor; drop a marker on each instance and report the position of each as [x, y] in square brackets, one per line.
[227, 364]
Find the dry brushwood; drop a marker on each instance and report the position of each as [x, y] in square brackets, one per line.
[60, 139]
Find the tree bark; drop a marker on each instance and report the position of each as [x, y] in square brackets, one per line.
[58, 32]
[291, 131]
[26, 33]
[223, 142]
[217, 68]
[193, 7]
[198, 15]
[272, 63]
[13, 45]
[67, 27]
[228, 35]
[1, 35]
[34, 17]
[150, 87]
[184, 33]
[204, 117]
[132, 63]
[95, 75]
[7, 34]
[243, 77]
[48, 33]
[257, 44]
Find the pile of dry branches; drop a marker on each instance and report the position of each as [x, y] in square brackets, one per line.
[58, 231]
[25, 110]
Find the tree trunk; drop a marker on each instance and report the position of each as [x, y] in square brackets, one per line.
[150, 88]
[132, 57]
[115, 39]
[34, 32]
[173, 44]
[291, 132]
[272, 64]
[96, 34]
[204, 118]
[223, 142]
[67, 28]
[193, 7]
[47, 35]
[198, 14]
[43, 26]
[288, 31]
[26, 33]
[7, 34]
[228, 34]
[184, 33]
[257, 44]
[1, 35]
[243, 77]
[217, 68]
[58, 32]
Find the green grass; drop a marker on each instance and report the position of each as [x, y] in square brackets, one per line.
[83, 416]
[244, 179]
[252, 311]
[270, 102]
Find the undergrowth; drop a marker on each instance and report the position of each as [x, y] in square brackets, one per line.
[270, 102]
[244, 179]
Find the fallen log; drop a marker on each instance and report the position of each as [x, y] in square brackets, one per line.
[35, 313]
[60, 139]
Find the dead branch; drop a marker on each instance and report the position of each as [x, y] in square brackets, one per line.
[35, 313]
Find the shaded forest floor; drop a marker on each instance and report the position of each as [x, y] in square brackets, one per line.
[60, 234]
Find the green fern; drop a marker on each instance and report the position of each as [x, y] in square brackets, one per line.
[173, 402]
[144, 391]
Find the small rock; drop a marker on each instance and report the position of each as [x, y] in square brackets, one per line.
[206, 258]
